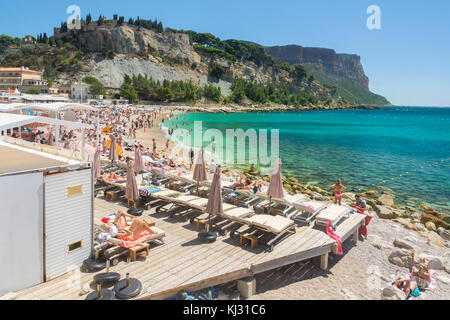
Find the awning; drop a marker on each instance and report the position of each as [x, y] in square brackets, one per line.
[9, 121]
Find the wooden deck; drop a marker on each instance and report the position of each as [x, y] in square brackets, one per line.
[183, 262]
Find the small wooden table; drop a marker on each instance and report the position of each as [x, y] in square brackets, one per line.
[142, 248]
[244, 237]
[203, 223]
[149, 221]
[112, 195]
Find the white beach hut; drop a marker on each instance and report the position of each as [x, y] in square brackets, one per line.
[46, 209]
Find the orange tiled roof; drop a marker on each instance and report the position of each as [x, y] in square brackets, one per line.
[18, 70]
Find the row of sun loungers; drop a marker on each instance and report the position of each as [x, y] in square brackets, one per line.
[265, 219]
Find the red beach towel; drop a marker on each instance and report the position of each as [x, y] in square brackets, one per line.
[363, 229]
[333, 235]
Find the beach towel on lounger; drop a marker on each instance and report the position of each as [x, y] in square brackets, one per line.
[333, 235]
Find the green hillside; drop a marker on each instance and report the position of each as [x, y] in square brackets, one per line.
[350, 90]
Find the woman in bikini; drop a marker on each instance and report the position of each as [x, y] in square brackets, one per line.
[338, 189]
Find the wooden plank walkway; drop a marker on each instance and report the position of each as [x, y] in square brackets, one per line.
[183, 262]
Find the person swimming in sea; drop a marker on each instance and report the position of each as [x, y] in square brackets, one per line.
[338, 189]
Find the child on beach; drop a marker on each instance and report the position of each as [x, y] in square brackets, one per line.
[338, 189]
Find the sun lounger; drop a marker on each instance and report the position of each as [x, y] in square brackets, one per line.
[113, 248]
[242, 199]
[274, 207]
[232, 217]
[333, 213]
[307, 211]
[187, 206]
[267, 228]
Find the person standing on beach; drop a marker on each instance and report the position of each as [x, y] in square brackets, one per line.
[167, 145]
[213, 145]
[191, 157]
[338, 189]
[154, 145]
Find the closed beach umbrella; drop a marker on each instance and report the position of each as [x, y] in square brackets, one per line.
[113, 150]
[276, 185]
[97, 163]
[132, 191]
[50, 139]
[214, 205]
[138, 160]
[200, 168]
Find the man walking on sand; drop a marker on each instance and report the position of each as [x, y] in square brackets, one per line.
[154, 145]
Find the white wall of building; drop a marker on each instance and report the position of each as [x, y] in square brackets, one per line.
[21, 235]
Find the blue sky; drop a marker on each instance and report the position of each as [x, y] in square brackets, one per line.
[407, 61]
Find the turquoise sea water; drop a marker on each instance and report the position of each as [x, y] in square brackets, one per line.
[403, 149]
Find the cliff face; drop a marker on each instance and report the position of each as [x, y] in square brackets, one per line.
[341, 65]
[127, 40]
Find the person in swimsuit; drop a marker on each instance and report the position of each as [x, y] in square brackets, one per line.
[338, 189]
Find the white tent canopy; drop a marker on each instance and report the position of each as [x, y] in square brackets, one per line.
[9, 121]
[55, 106]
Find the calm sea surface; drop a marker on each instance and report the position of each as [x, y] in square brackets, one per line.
[404, 150]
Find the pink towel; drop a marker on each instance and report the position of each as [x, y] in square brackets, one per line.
[333, 235]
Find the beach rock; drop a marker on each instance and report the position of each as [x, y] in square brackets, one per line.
[445, 234]
[317, 196]
[393, 293]
[436, 263]
[435, 240]
[348, 196]
[379, 243]
[438, 222]
[416, 216]
[386, 199]
[388, 212]
[420, 227]
[370, 193]
[403, 244]
[349, 295]
[447, 268]
[430, 226]
[401, 258]
[443, 278]
[374, 205]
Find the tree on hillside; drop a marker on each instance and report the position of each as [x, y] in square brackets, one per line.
[216, 70]
[128, 92]
[88, 18]
[115, 17]
[121, 20]
[159, 27]
[299, 72]
[96, 87]
[100, 20]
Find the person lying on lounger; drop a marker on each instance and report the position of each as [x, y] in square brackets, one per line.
[135, 229]
[112, 176]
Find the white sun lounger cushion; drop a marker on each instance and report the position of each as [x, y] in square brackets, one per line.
[274, 224]
[188, 198]
[166, 193]
[238, 214]
[332, 213]
[307, 205]
[202, 202]
[227, 206]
